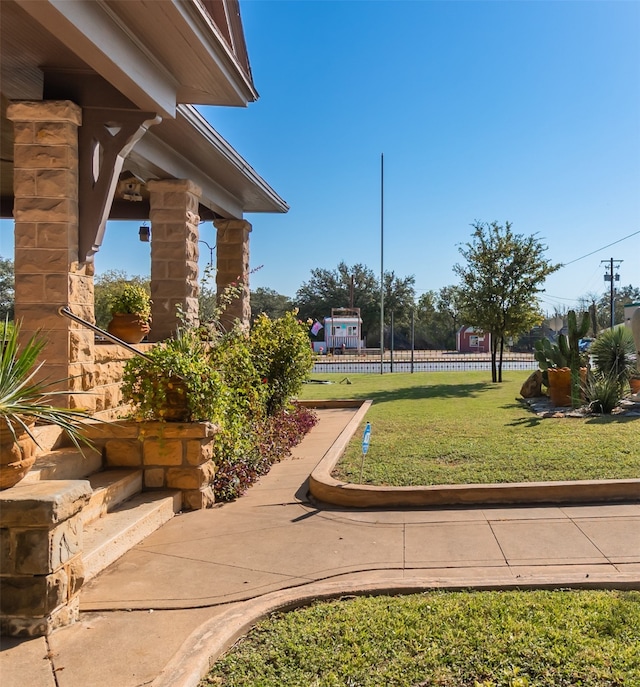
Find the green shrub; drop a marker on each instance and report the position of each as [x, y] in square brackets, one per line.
[243, 383]
[177, 367]
[282, 355]
[6, 328]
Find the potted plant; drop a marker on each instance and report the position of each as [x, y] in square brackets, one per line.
[556, 373]
[131, 313]
[24, 401]
[176, 382]
[563, 366]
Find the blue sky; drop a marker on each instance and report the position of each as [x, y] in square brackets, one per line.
[527, 111]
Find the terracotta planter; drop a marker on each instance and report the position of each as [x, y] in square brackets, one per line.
[127, 327]
[16, 457]
[560, 386]
[176, 407]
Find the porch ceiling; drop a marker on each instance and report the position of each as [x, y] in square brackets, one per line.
[139, 54]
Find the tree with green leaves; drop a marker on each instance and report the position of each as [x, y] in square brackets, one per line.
[503, 274]
[7, 289]
[437, 318]
[269, 302]
[399, 299]
[449, 303]
[357, 286]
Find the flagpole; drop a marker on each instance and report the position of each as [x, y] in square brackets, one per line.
[381, 263]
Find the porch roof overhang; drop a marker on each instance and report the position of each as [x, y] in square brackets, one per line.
[140, 55]
[157, 54]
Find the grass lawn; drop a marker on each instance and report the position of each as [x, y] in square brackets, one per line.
[445, 639]
[458, 427]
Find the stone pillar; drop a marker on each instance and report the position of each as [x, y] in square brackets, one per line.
[42, 569]
[172, 455]
[174, 254]
[233, 267]
[45, 210]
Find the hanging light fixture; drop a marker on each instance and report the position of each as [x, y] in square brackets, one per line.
[145, 233]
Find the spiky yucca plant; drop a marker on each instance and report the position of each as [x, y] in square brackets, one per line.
[613, 354]
[25, 399]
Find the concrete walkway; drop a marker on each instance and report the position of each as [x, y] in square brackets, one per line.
[190, 589]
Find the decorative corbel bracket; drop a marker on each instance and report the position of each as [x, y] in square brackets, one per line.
[105, 139]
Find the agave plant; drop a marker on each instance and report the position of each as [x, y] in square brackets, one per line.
[24, 399]
[602, 393]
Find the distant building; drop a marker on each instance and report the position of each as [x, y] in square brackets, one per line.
[342, 331]
[471, 340]
[629, 309]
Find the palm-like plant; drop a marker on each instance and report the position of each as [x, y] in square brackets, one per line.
[23, 398]
[613, 354]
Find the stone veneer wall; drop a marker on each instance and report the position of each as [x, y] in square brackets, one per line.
[172, 455]
[103, 378]
[174, 254]
[41, 544]
[48, 274]
[232, 240]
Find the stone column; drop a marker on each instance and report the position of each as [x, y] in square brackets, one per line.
[45, 210]
[233, 267]
[174, 254]
[42, 569]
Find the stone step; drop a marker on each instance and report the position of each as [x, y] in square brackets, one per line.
[64, 463]
[111, 536]
[110, 489]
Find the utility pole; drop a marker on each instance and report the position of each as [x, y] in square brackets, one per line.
[382, 263]
[612, 277]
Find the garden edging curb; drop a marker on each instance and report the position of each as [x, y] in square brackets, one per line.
[324, 488]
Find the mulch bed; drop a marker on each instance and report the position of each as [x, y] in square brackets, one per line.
[542, 406]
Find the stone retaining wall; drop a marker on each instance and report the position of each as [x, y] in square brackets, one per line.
[172, 455]
[101, 381]
[42, 568]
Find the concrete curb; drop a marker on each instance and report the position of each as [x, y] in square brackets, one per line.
[324, 488]
[212, 639]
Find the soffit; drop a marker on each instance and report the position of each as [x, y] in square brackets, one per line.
[157, 54]
[36, 63]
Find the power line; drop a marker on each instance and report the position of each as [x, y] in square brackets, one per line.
[603, 248]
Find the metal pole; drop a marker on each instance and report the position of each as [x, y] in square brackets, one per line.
[391, 342]
[413, 336]
[382, 263]
[211, 249]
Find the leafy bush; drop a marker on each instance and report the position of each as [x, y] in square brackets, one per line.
[179, 367]
[282, 355]
[602, 393]
[275, 437]
[131, 299]
[243, 383]
[613, 355]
